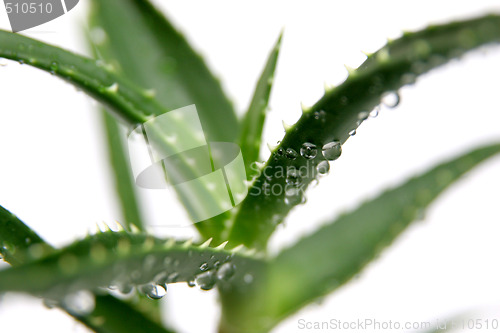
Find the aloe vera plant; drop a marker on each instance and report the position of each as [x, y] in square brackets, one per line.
[143, 68]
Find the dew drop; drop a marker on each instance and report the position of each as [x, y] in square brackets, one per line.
[390, 99]
[54, 66]
[308, 150]
[363, 115]
[291, 154]
[248, 278]
[191, 283]
[125, 288]
[204, 266]
[206, 280]
[374, 112]
[323, 167]
[98, 35]
[226, 271]
[332, 150]
[293, 196]
[80, 303]
[352, 132]
[37, 250]
[293, 177]
[320, 115]
[113, 88]
[153, 291]
[8, 247]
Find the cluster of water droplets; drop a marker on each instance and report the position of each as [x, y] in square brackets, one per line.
[331, 151]
[207, 277]
[293, 187]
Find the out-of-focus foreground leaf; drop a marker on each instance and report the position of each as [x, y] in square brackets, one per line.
[19, 244]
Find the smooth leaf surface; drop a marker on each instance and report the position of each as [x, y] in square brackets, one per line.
[253, 122]
[341, 110]
[323, 261]
[16, 237]
[150, 51]
[123, 179]
[19, 243]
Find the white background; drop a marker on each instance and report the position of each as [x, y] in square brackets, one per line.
[53, 172]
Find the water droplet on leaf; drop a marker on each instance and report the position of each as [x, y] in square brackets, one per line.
[153, 291]
[206, 280]
[291, 154]
[293, 195]
[308, 150]
[323, 167]
[390, 99]
[332, 150]
[80, 303]
[363, 115]
[54, 66]
[226, 271]
[320, 115]
[293, 177]
[374, 112]
[248, 278]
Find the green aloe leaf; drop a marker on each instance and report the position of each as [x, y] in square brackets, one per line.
[148, 49]
[340, 111]
[120, 32]
[98, 79]
[321, 262]
[253, 122]
[16, 238]
[123, 179]
[135, 105]
[126, 259]
[125, 190]
[19, 244]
